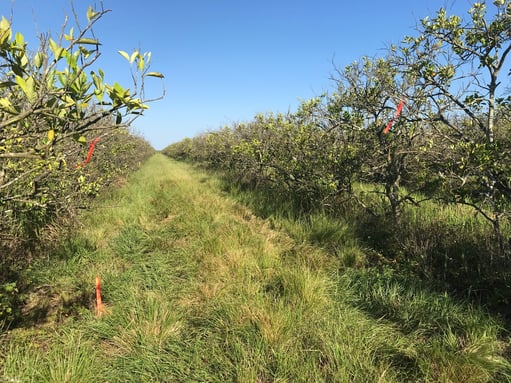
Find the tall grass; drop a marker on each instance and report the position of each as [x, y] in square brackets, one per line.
[448, 245]
[199, 289]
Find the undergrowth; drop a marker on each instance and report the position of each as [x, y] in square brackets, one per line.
[198, 288]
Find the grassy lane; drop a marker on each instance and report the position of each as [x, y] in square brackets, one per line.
[197, 289]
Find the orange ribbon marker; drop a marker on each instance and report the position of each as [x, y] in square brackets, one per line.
[91, 149]
[92, 145]
[99, 304]
[396, 115]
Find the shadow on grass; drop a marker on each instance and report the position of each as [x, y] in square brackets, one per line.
[447, 256]
[40, 299]
[449, 331]
[454, 255]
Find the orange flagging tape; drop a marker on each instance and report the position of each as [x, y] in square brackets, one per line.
[396, 115]
[99, 304]
[91, 150]
[92, 145]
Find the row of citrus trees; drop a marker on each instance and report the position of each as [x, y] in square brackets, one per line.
[430, 121]
[64, 135]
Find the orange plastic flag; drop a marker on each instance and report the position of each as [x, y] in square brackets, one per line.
[99, 303]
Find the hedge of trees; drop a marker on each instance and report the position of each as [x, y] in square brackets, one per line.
[64, 134]
[450, 148]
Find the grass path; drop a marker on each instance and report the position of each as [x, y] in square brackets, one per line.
[197, 289]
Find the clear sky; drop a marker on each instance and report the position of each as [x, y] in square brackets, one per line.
[226, 60]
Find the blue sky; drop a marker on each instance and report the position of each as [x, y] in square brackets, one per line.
[226, 60]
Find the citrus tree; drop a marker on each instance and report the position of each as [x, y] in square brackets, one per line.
[389, 144]
[458, 63]
[55, 109]
[51, 99]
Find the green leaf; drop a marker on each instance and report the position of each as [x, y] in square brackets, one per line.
[82, 140]
[69, 37]
[125, 55]
[99, 95]
[24, 61]
[50, 80]
[86, 53]
[22, 83]
[4, 24]
[62, 78]
[31, 92]
[133, 57]
[88, 41]
[5, 30]
[98, 82]
[141, 63]
[38, 60]
[69, 102]
[56, 49]
[118, 118]
[19, 40]
[118, 88]
[155, 74]
[6, 105]
[91, 14]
